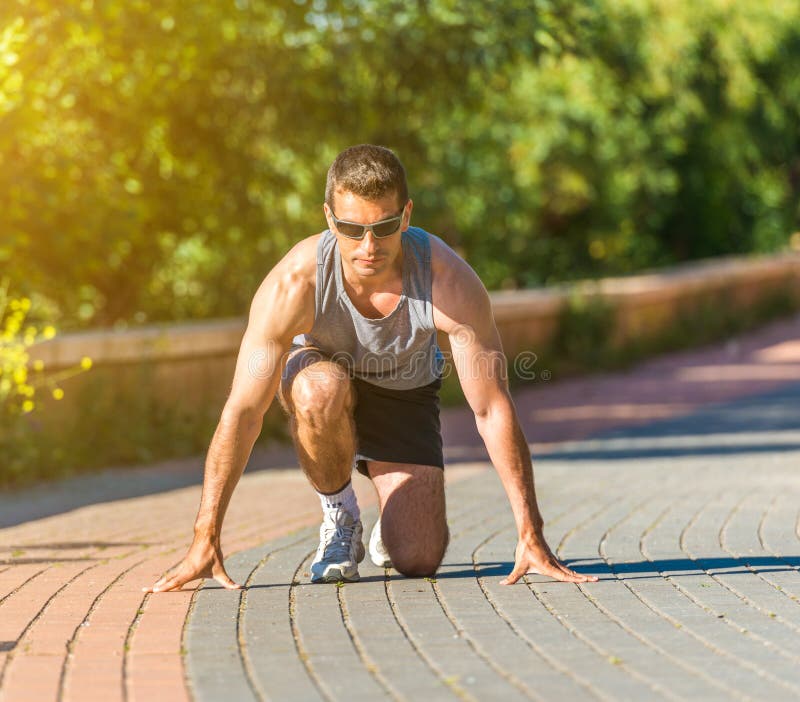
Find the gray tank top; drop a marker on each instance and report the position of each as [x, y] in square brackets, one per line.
[398, 351]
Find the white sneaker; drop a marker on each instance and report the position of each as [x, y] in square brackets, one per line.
[377, 551]
[340, 550]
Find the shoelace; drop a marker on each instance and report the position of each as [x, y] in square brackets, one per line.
[338, 539]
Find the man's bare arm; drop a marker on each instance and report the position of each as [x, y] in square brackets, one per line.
[282, 307]
[462, 309]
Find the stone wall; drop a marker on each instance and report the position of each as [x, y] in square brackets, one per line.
[166, 384]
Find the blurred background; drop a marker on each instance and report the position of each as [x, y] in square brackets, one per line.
[158, 158]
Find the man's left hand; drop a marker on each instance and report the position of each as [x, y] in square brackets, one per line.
[533, 555]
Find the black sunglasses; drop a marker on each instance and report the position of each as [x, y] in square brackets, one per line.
[354, 230]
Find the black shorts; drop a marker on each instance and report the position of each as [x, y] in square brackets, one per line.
[398, 426]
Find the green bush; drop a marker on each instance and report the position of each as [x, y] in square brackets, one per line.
[159, 157]
[23, 448]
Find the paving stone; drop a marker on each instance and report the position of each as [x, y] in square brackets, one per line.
[620, 548]
[382, 643]
[215, 667]
[461, 595]
[277, 671]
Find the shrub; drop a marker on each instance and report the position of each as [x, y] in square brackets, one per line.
[20, 379]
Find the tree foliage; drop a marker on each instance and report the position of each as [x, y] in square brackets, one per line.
[159, 157]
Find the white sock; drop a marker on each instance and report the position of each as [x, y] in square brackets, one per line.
[345, 499]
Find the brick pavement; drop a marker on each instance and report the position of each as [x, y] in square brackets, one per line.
[685, 507]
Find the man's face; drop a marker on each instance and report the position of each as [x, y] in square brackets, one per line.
[370, 256]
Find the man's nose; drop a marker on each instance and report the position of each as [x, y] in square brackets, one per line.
[368, 244]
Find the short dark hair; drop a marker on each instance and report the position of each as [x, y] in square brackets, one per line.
[368, 171]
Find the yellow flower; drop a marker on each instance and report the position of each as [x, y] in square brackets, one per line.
[38, 364]
[86, 363]
[58, 393]
[49, 332]
[27, 406]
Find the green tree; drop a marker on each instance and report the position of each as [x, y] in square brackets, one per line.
[159, 157]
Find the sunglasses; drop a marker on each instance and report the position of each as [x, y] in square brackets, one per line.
[354, 230]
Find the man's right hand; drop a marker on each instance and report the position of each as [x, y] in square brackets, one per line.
[203, 560]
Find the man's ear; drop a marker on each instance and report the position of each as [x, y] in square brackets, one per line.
[406, 223]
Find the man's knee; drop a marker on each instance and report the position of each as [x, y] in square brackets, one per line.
[320, 392]
[416, 567]
[417, 560]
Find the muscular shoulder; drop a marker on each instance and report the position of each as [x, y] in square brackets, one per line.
[284, 302]
[299, 265]
[448, 268]
[459, 296]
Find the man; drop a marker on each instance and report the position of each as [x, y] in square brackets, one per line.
[343, 330]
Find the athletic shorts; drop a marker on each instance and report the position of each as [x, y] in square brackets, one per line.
[397, 426]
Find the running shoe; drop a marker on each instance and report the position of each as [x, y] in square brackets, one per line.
[377, 551]
[340, 550]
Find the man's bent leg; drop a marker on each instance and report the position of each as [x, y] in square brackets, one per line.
[413, 519]
[318, 396]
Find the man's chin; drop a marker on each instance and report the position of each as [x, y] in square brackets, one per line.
[369, 267]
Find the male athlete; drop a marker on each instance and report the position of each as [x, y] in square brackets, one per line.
[343, 330]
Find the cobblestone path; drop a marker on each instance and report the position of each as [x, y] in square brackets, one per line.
[691, 525]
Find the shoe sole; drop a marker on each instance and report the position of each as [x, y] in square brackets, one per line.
[335, 575]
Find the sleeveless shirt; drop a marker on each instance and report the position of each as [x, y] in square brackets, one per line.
[398, 351]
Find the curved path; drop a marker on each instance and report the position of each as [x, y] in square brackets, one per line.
[698, 555]
[677, 483]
